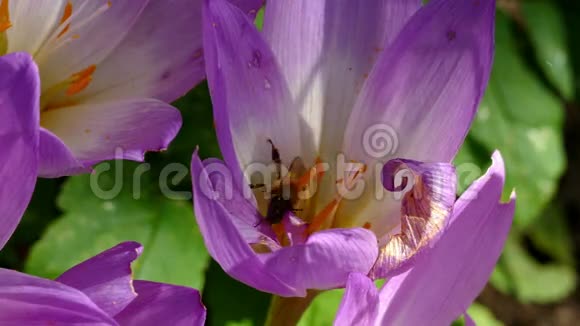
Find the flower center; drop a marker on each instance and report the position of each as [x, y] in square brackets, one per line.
[313, 195]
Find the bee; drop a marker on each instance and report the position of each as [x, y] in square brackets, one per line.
[284, 194]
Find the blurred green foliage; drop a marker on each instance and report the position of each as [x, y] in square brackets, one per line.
[522, 115]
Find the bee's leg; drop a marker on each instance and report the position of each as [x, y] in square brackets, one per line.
[257, 185]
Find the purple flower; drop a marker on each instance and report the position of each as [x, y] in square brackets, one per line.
[107, 71]
[447, 278]
[99, 291]
[332, 98]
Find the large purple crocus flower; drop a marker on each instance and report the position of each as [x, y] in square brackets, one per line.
[99, 291]
[107, 71]
[318, 83]
[446, 279]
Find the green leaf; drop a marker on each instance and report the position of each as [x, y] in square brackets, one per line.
[230, 302]
[551, 235]
[545, 25]
[535, 282]
[197, 129]
[260, 18]
[323, 308]
[482, 316]
[522, 119]
[173, 247]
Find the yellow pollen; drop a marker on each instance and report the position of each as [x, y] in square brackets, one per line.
[5, 22]
[81, 80]
[65, 16]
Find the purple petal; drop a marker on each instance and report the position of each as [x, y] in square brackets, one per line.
[325, 60]
[163, 304]
[468, 320]
[246, 217]
[55, 158]
[121, 129]
[29, 300]
[94, 29]
[446, 279]
[425, 88]
[19, 123]
[106, 278]
[360, 303]
[167, 40]
[251, 100]
[235, 256]
[425, 209]
[250, 7]
[326, 259]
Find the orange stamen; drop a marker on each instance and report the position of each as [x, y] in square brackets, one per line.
[321, 217]
[316, 173]
[81, 80]
[367, 225]
[5, 22]
[65, 16]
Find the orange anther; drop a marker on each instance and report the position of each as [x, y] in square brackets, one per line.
[65, 16]
[315, 173]
[5, 22]
[367, 225]
[81, 80]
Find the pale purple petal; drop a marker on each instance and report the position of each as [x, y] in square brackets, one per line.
[250, 97]
[425, 88]
[427, 193]
[29, 300]
[326, 259]
[119, 129]
[235, 256]
[19, 124]
[246, 218]
[94, 29]
[33, 21]
[446, 279]
[106, 278]
[160, 57]
[360, 303]
[326, 48]
[55, 159]
[163, 304]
